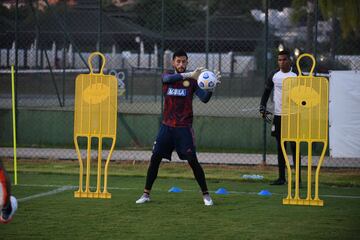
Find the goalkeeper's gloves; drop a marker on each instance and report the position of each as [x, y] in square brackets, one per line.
[194, 74]
[265, 114]
[218, 77]
[218, 80]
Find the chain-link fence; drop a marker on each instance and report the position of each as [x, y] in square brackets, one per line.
[49, 42]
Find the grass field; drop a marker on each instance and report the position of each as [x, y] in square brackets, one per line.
[48, 210]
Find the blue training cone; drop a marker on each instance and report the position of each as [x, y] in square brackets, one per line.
[175, 189]
[222, 191]
[264, 193]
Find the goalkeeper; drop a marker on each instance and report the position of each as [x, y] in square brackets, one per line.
[274, 81]
[176, 130]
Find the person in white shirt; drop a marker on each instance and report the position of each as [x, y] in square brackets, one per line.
[275, 81]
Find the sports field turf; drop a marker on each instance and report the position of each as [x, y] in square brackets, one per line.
[48, 210]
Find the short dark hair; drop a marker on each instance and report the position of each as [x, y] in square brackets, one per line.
[179, 53]
[284, 52]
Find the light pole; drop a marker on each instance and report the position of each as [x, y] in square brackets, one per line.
[281, 47]
[138, 40]
[296, 52]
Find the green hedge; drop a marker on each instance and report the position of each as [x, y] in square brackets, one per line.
[51, 128]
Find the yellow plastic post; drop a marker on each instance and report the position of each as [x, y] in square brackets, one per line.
[305, 104]
[95, 116]
[14, 120]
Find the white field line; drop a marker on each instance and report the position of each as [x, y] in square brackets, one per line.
[52, 192]
[65, 188]
[71, 187]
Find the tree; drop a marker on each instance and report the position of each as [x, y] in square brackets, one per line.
[343, 15]
[346, 12]
[305, 8]
[177, 14]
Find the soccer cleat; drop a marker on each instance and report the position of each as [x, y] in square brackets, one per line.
[143, 199]
[207, 200]
[7, 214]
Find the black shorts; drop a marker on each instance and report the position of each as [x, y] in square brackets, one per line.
[180, 138]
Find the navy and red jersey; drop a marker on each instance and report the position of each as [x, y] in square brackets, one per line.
[178, 111]
[3, 187]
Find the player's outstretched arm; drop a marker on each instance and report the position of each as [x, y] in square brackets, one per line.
[194, 74]
[203, 95]
[170, 78]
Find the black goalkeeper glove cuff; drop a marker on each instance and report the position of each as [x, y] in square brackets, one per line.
[265, 114]
[262, 109]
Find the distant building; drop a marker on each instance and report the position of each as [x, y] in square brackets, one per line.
[122, 3]
[40, 4]
[12, 3]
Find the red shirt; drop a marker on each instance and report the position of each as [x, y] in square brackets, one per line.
[178, 110]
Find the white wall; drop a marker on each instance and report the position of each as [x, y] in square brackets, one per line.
[344, 114]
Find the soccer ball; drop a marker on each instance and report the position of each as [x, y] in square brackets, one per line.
[207, 80]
